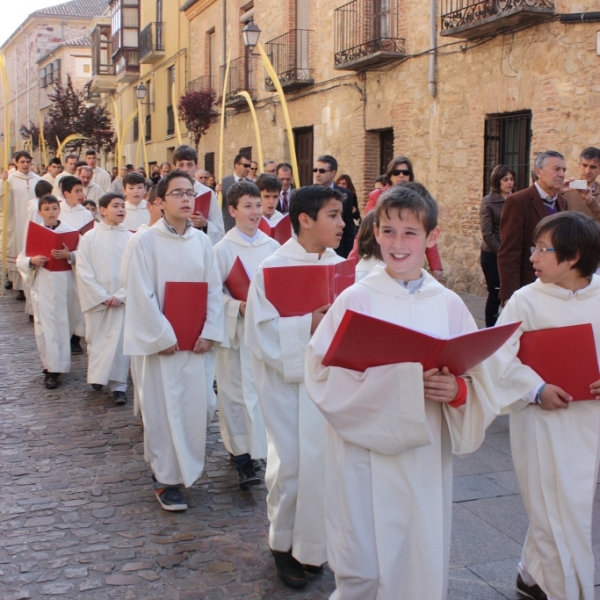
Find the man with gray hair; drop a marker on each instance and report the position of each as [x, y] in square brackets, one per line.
[585, 201]
[522, 212]
[201, 176]
[269, 166]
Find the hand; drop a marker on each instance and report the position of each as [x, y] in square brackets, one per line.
[586, 196]
[553, 397]
[566, 182]
[202, 345]
[198, 221]
[64, 253]
[317, 317]
[440, 386]
[438, 274]
[243, 309]
[169, 351]
[595, 389]
[112, 301]
[4, 175]
[39, 261]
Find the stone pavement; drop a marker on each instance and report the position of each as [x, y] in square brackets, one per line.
[79, 520]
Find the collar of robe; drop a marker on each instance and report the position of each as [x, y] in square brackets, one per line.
[551, 289]
[234, 236]
[162, 228]
[103, 225]
[295, 251]
[379, 280]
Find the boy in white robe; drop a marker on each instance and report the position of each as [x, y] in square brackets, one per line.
[102, 297]
[21, 183]
[270, 190]
[240, 417]
[555, 443]
[172, 384]
[295, 475]
[391, 430]
[51, 299]
[185, 158]
[134, 189]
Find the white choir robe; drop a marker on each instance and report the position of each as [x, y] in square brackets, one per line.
[275, 217]
[389, 451]
[173, 390]
[365, 266]
[54, 311]
[32, 215]
[93, 192]
[136, 215]
[21, 190]
[295, 475]
[556, 453]
[49, 178]
[102, 178]
[98, 266]
[215, 227]
[240, 416]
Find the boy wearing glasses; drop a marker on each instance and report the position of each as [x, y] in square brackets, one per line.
[173, 385]
[556, 451]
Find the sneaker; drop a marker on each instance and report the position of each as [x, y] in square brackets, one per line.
[534, 592]
[120, 398]
[75, 345]
[257, 464]
[248, 476]
[170, 498]
[51, 380]
[97, 386]
[289, 570]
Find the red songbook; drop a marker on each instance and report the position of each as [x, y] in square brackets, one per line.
[280, 232]
[362, 341]
[299, 290]
[87, 227]
[41, 241]
[238, 281]
[185, 309]
[202, 204]
[563, 356]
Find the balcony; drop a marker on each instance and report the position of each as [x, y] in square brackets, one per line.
[365, 33]
[127, 66]
[290, 56]
[468, 19]
[103, 70]
[152, 46]
[242, 77]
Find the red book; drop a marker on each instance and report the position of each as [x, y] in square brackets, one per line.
[202, 204]
[299, 290]
[87, 227]
[362, 341]
[238, 281]
[41, 241]
[185, 309]
[280, 232]
[563, 356]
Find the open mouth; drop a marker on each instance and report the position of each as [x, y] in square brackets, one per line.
[397, 256]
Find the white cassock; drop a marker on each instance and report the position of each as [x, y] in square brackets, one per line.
[56, 191]
[54, 312]
[49, 178]
[136, 215]
[32, 215]
[93, 192]
[173, 390]
[389, 451]
[556, 453]
[295, 475]
[21, 190]
[98, 265]
[102, 178]
[365, 266]
[240, 416]
[215, 227]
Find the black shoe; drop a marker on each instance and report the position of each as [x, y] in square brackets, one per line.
[313, 569]
[120, 398]
[534, 592]
[170, 498]
[97, 386]
[75, 345]
[31, 318]
[20, 296]
[248, 476]
[8, 285]
[257, 464]
[289, 570]
[51, 380]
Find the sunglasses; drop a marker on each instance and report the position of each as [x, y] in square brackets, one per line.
[246, 166]
[404, 172]
[254, 168]
[315, 170]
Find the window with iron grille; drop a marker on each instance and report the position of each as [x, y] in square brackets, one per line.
[386, 149]
[507, 142]
[209, 162]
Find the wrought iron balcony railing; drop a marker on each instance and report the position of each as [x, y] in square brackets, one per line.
[206, 82]
[475, 18]
[242, 76]
[366, 34]
[290, 56]
[152, 46]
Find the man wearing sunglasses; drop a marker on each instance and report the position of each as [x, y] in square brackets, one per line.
[241, 169]
[325, 171]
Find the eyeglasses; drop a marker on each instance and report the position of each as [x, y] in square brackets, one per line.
[246, 166]
[254, 168]
[541, 251]
[181, 193]
[315, 170]
[404, 172]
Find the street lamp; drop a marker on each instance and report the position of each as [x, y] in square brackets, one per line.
[251, 34]
[140, 91]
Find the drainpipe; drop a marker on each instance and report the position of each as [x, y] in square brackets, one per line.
[588, 17]
[433, 46]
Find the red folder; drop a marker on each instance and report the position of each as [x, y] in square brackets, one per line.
[362, 341]
[202, 204]
[563, 356]
[280, 232]
[87, 227]
[41, 241]
[238, 282]
[185, 309]
[298, 290]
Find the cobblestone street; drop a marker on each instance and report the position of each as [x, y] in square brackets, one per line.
[79, 519]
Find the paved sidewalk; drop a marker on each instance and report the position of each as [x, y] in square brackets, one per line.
[79, 520]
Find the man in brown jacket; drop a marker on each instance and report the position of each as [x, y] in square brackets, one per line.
[522, 212]
[589, 169]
